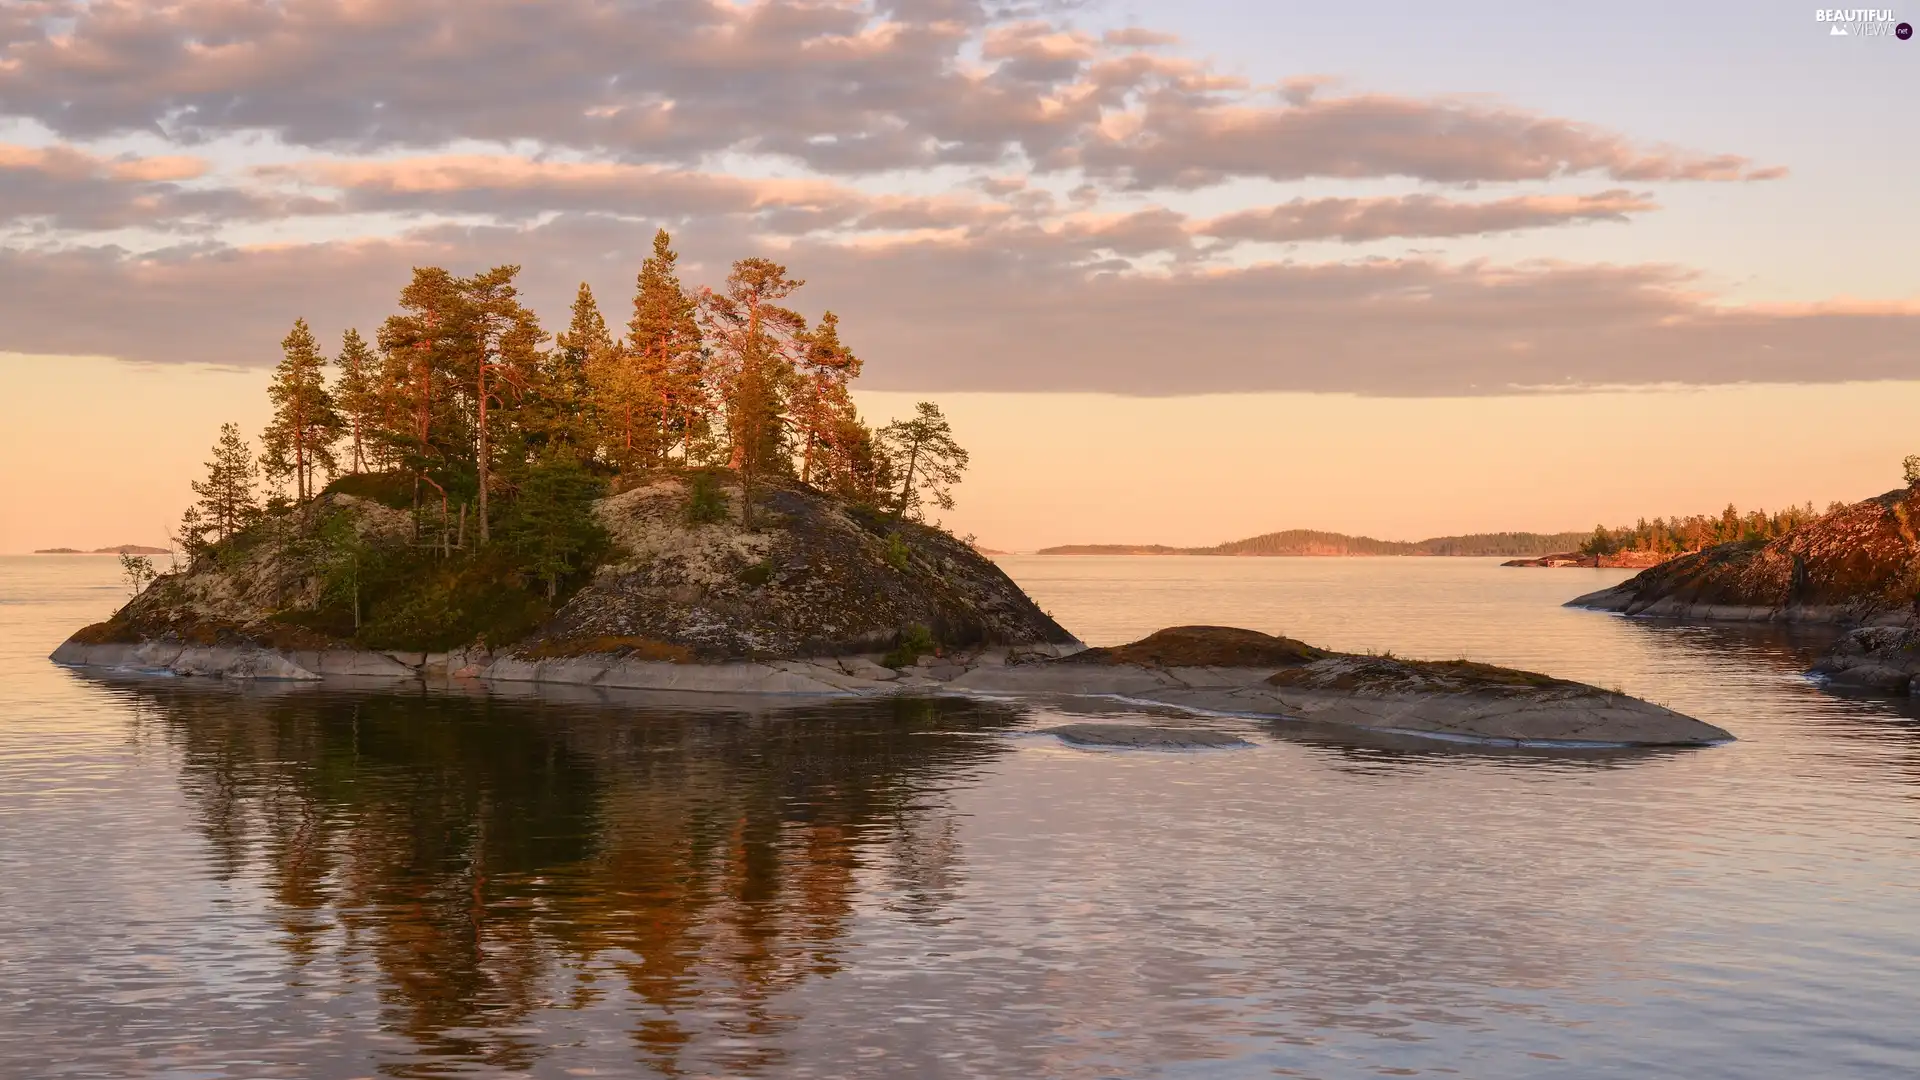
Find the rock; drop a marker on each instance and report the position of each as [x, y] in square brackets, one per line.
[862, 668]
[212, 661]
[1446, 699]
[817, 577]
[1205, 646]
[1853, 565]
[1142, 737]
[1873, 658]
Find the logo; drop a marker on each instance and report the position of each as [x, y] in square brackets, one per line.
[1861, 22]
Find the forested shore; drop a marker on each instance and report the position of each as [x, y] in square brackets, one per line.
[1662, 536]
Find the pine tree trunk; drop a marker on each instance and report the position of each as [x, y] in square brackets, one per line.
[482, 457]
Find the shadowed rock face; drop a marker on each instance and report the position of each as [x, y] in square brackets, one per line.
[1855, 565]
[1204, 646]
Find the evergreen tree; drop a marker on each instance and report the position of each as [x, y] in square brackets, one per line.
[927, 458]
[299, 440]
[426, 347]
[822, 403]
[551, 527]
[505, 369]
[572, 403]
[356, 395]
[663, 380]
[227, 502]
[755, 340]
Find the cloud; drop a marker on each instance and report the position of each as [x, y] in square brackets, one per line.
[1357, 220]
[65, 188]
[840, 87]
[937, 315]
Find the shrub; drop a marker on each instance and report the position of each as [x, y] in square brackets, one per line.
[706, 500]
[914, 642]
[391, 489]
[897, 552]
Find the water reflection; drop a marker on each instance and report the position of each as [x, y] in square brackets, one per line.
[489, 857]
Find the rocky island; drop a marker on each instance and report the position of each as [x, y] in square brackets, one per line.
[695, 506]
[1857, 567]
[819, 597]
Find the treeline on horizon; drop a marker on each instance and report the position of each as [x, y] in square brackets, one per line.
[1664, 536]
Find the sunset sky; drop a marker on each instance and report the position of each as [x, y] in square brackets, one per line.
[1178, 272]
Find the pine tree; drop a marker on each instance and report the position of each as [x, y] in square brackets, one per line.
[569, 384]
[299, 440]
[227, 503]
[505, 367]
[428, 350]
[663, 379]
[927, 458]
[755, 340]
[822, 403]
[356, 395]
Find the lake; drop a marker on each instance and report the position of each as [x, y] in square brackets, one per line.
[210, 880]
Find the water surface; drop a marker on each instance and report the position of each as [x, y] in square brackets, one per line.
[208, 880]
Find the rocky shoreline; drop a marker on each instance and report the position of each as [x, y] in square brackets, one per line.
[1216, 670]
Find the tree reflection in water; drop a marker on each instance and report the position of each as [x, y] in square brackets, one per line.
[490, 859]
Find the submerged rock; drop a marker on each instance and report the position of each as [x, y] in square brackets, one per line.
[1854, 565]
[1142, 737]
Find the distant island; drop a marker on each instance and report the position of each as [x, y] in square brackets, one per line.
[119, 549]
[1317, 542]
[1642, 544]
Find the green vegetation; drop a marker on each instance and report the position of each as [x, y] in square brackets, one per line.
[1674, 536]
[896, 552]
[706, 500]
[915, 641]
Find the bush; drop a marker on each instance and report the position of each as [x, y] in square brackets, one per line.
[897, 553]
[914, 642]
[391, 489]
[706, 500]
[550, 527]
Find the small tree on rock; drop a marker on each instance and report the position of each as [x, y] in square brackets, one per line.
[299, 441]
[926, 458]
[227, 501]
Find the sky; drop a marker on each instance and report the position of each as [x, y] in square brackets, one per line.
[1179, 273]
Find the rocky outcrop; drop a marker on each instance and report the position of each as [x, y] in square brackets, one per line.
[1219, 670]
[813, 577]
[1436, 699]
[816, 577]
[1624, 560]
[1883, 658]
[1857, 565]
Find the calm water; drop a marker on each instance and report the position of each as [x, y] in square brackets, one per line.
[203, 880]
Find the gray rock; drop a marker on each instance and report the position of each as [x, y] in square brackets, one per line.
[1142, 737]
